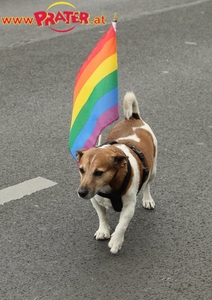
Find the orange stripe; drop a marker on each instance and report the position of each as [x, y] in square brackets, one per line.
[108, 50]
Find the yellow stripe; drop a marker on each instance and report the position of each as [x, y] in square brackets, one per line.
[106, 67]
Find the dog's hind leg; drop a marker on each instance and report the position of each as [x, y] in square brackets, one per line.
[103, 232]
[147, 200]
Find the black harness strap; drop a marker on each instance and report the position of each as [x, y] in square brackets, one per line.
[115, 197]
[145, 170]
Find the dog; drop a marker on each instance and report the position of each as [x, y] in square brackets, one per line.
[113, 173]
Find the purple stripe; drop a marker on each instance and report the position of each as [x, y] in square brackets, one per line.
[104, 120]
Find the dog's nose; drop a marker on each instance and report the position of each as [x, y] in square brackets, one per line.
[82, 192]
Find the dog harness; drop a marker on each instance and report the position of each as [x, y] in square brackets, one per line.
[116, 197]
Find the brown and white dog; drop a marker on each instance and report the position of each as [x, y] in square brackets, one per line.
[113, 173]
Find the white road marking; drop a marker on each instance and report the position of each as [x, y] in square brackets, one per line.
[25, 188]
[200, 144]
[162, 10]
[191, 43]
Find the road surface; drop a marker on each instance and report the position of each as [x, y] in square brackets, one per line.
[47, 250]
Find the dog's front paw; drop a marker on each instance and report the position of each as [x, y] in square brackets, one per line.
[102, 234]
[148, 203]
[115, 243]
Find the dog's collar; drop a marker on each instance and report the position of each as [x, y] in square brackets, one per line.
[115, 197]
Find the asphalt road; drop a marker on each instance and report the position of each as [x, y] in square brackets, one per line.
[47, 250]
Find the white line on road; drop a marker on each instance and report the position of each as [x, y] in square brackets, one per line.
[191, 43]
[25, 188]
[162, 10]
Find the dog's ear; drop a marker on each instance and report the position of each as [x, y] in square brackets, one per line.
[79, 154]
[119, 161]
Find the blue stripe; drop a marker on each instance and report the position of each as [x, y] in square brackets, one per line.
[104, 103]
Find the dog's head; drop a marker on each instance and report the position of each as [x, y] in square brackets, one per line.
[98, 167]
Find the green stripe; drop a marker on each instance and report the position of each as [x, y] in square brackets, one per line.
[103, 87]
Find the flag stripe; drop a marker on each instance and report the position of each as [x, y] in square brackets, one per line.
[103, 87]
[105, 68]
[105, 103]
[108, 49]
[110, 115]
[108, 35]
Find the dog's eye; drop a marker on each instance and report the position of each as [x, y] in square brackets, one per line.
[98, 173]
[82, 171]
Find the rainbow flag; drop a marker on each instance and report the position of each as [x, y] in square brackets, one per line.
[95, 103]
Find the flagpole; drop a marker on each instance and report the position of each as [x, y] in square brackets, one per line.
[114, 25]
[99, 140]
[115, 17]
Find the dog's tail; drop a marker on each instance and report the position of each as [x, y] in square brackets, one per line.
[131, 106]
